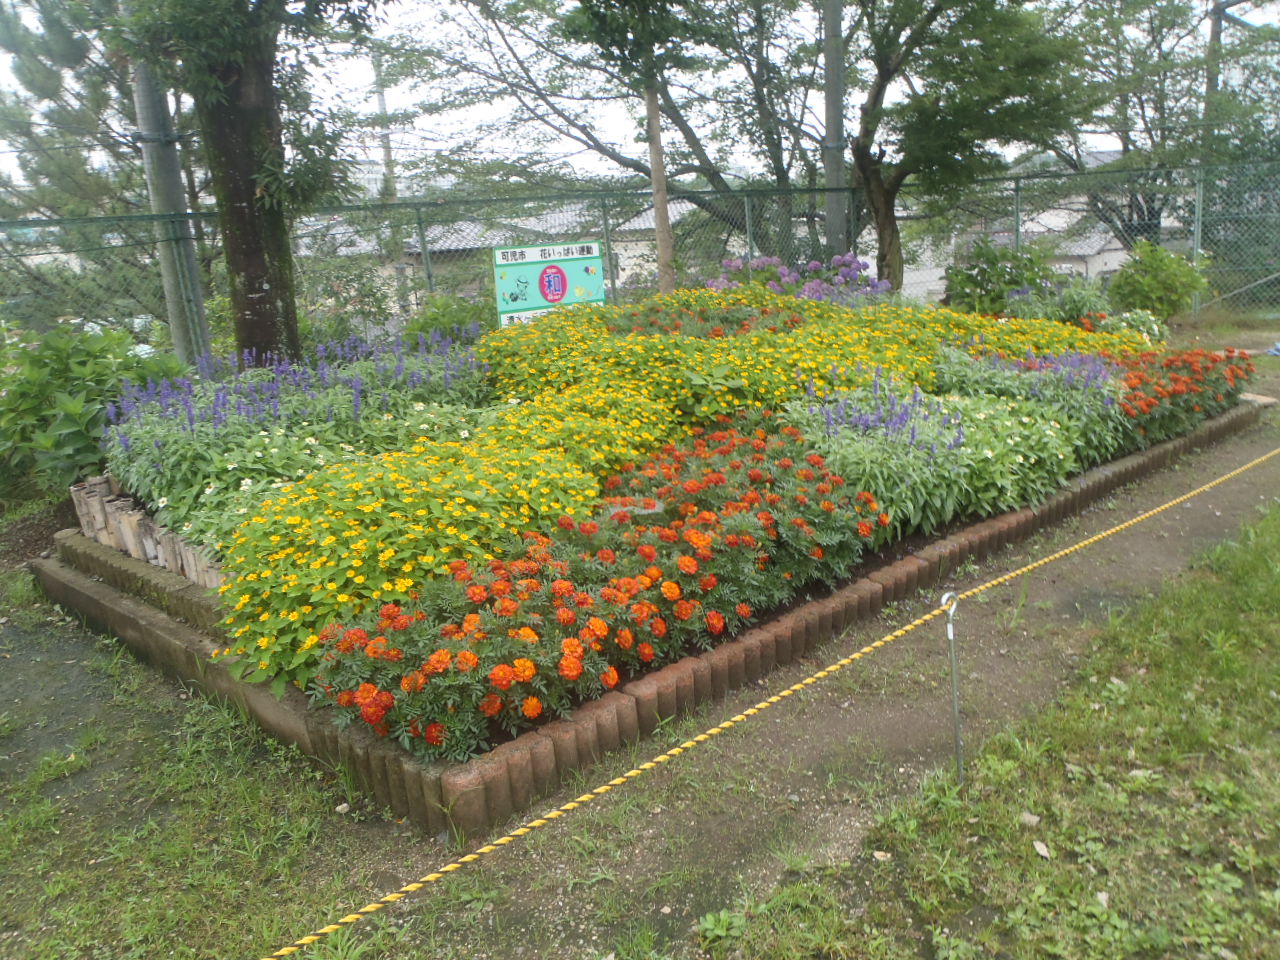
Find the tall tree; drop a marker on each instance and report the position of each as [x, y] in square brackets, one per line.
[69, 126]
[969, 76]
[745, 96]
[641, 39]
[228, 55]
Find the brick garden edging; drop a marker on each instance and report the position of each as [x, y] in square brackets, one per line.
[170, 622]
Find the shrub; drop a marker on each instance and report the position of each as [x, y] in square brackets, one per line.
[1143, 322]
[53, 404]
[1156, 280]
[983, 285]
[1064, 299]
[441, 314]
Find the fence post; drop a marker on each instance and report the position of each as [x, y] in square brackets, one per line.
[1197, 222]
[422, 248]
[751, 240]
[608, 250]
[1017, 214]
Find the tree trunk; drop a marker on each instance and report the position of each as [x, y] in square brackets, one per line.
[661, 219]
[241, 131]
[881, 197]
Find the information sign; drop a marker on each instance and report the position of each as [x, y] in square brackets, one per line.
[530, 281]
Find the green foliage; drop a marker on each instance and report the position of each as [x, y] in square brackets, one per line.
[451, 316]
[202, 462]
[1066, 299]
[1082, 392]
[983, 285]
[53, 407]
[1157, 280]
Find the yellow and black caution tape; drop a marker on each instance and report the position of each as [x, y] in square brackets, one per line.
[662, 758]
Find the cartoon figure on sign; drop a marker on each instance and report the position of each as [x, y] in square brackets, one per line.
[553, 284]
[521, 292]
[589, 270]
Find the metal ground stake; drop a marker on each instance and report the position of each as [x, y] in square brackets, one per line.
[949, 602]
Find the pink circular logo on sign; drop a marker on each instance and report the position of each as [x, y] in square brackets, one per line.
[553, 284]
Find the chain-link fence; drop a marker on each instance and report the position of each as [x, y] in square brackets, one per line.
[369, 268]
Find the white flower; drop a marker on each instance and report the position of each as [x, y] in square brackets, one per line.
[208, 490]
[162, 502]
[233, 466]
[246, 483]
[464, 434]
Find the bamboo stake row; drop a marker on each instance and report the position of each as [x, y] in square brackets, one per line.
[114, 519]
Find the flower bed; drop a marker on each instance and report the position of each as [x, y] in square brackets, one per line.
[461, 570]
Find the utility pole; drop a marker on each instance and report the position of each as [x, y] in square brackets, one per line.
[179, 270]
[837, 196]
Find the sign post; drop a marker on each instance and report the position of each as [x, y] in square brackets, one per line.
[531, 281]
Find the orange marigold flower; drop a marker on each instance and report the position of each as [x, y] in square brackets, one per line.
[864, 529]
[389, 611]
[817, 553]
[477, 593]
[524, 669]
[609, 678]
[466, 661]
[708, 583]
[490, 704]
[743, 610]
[532, 707]
[624, 638]
[501, 588]
[683, 610]
[438, 662]
[571, 647]
[645, 652]
[598, 628]
[648, 553]
[434, 734]
[413, 682]
[883, 519]
[527, 634]
[658, 627]
[470, 623]
[561, 588]
[686, 564]
[570, 668]
[346, 698]
[715, 622]
[671, 590]
[566, 617]
[502, 676]
[506, 607]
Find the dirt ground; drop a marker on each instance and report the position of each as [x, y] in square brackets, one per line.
[795, 785]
